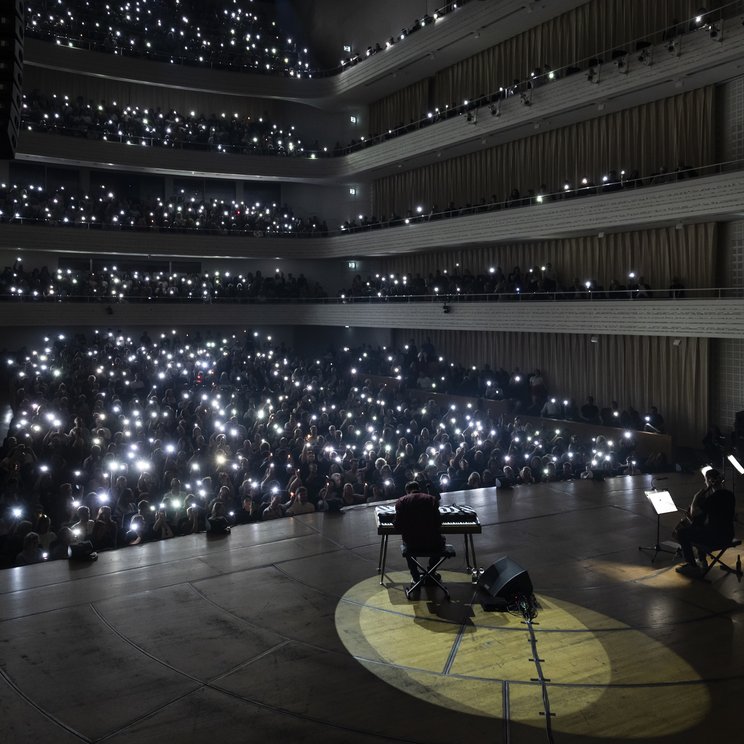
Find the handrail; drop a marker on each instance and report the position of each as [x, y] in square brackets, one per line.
[588, 295]
[609, 183]
[524, 88]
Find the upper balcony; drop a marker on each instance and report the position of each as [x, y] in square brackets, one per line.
[717, 194]
[713, 316]
[696, 62]
[462, 33]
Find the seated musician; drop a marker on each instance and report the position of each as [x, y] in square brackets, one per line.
[709, 522]
[419, 522]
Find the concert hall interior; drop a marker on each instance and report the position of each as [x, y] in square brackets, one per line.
[548, 187]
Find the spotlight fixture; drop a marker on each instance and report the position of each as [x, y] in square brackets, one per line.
[714, 31]
[594, 339]
[676, 342]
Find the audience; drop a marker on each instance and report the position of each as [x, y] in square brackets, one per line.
[153, 436]
[104, 209]
[111, 284]
[187, 32]
[228, 133]
[220, 45]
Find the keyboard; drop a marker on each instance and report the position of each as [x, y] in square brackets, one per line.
[456, 520]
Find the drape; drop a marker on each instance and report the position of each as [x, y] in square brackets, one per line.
[658, 255]
[672, 131]
[641, 371]
[401, 108]
[591, 30]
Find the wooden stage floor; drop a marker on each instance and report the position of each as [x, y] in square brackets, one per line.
[282, 632]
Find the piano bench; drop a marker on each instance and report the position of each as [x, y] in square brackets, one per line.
[713, 553]
[427, 574]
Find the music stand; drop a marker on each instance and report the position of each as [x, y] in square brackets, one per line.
[663, 503]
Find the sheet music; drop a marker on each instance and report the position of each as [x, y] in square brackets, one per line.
[662, 501]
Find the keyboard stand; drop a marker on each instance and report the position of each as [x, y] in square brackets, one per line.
[469, 552]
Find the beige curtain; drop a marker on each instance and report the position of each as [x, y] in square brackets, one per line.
[403, 107]
[662, 133]
[591, 30]
[641, 371]
[657, 255]
[594, 29]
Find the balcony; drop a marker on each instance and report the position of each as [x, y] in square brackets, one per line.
[709, 313]
[702, 61]
[468, 30]
[715, 197]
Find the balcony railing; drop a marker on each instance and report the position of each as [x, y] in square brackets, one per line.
[681, 294]
[622, 181]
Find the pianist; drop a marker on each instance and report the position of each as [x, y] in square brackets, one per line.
[419, 522]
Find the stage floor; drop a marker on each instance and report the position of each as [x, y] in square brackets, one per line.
[281, 631]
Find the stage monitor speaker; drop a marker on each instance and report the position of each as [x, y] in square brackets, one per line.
[505, 578]
[11, 76]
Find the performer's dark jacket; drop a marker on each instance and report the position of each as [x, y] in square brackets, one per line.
[418, 520]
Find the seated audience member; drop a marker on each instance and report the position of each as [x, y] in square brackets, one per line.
[105, 530]
[250, 511]
[590, 411]
[474, 481]
[508, 478]
[136, 532]
[46, 537]
[552, 408]
[526, 476]
[161, 529]
[275, 509]
[708, 523]
[31, 552]
[60, 549]
[298, 503]
[419, 522]
[218, 523]
[350, 497]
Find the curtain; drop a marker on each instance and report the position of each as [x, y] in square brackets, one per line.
[657, 255]
[669, 132]
[638, 371]
[400, 108]
[576, 35]
[594, 29]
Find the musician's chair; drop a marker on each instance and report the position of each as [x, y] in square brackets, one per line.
[427, 573]
[713, 555]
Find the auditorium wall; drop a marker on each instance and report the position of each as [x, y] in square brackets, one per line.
[727, 355]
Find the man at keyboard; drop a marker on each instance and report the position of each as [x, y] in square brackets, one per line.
[419, 522]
